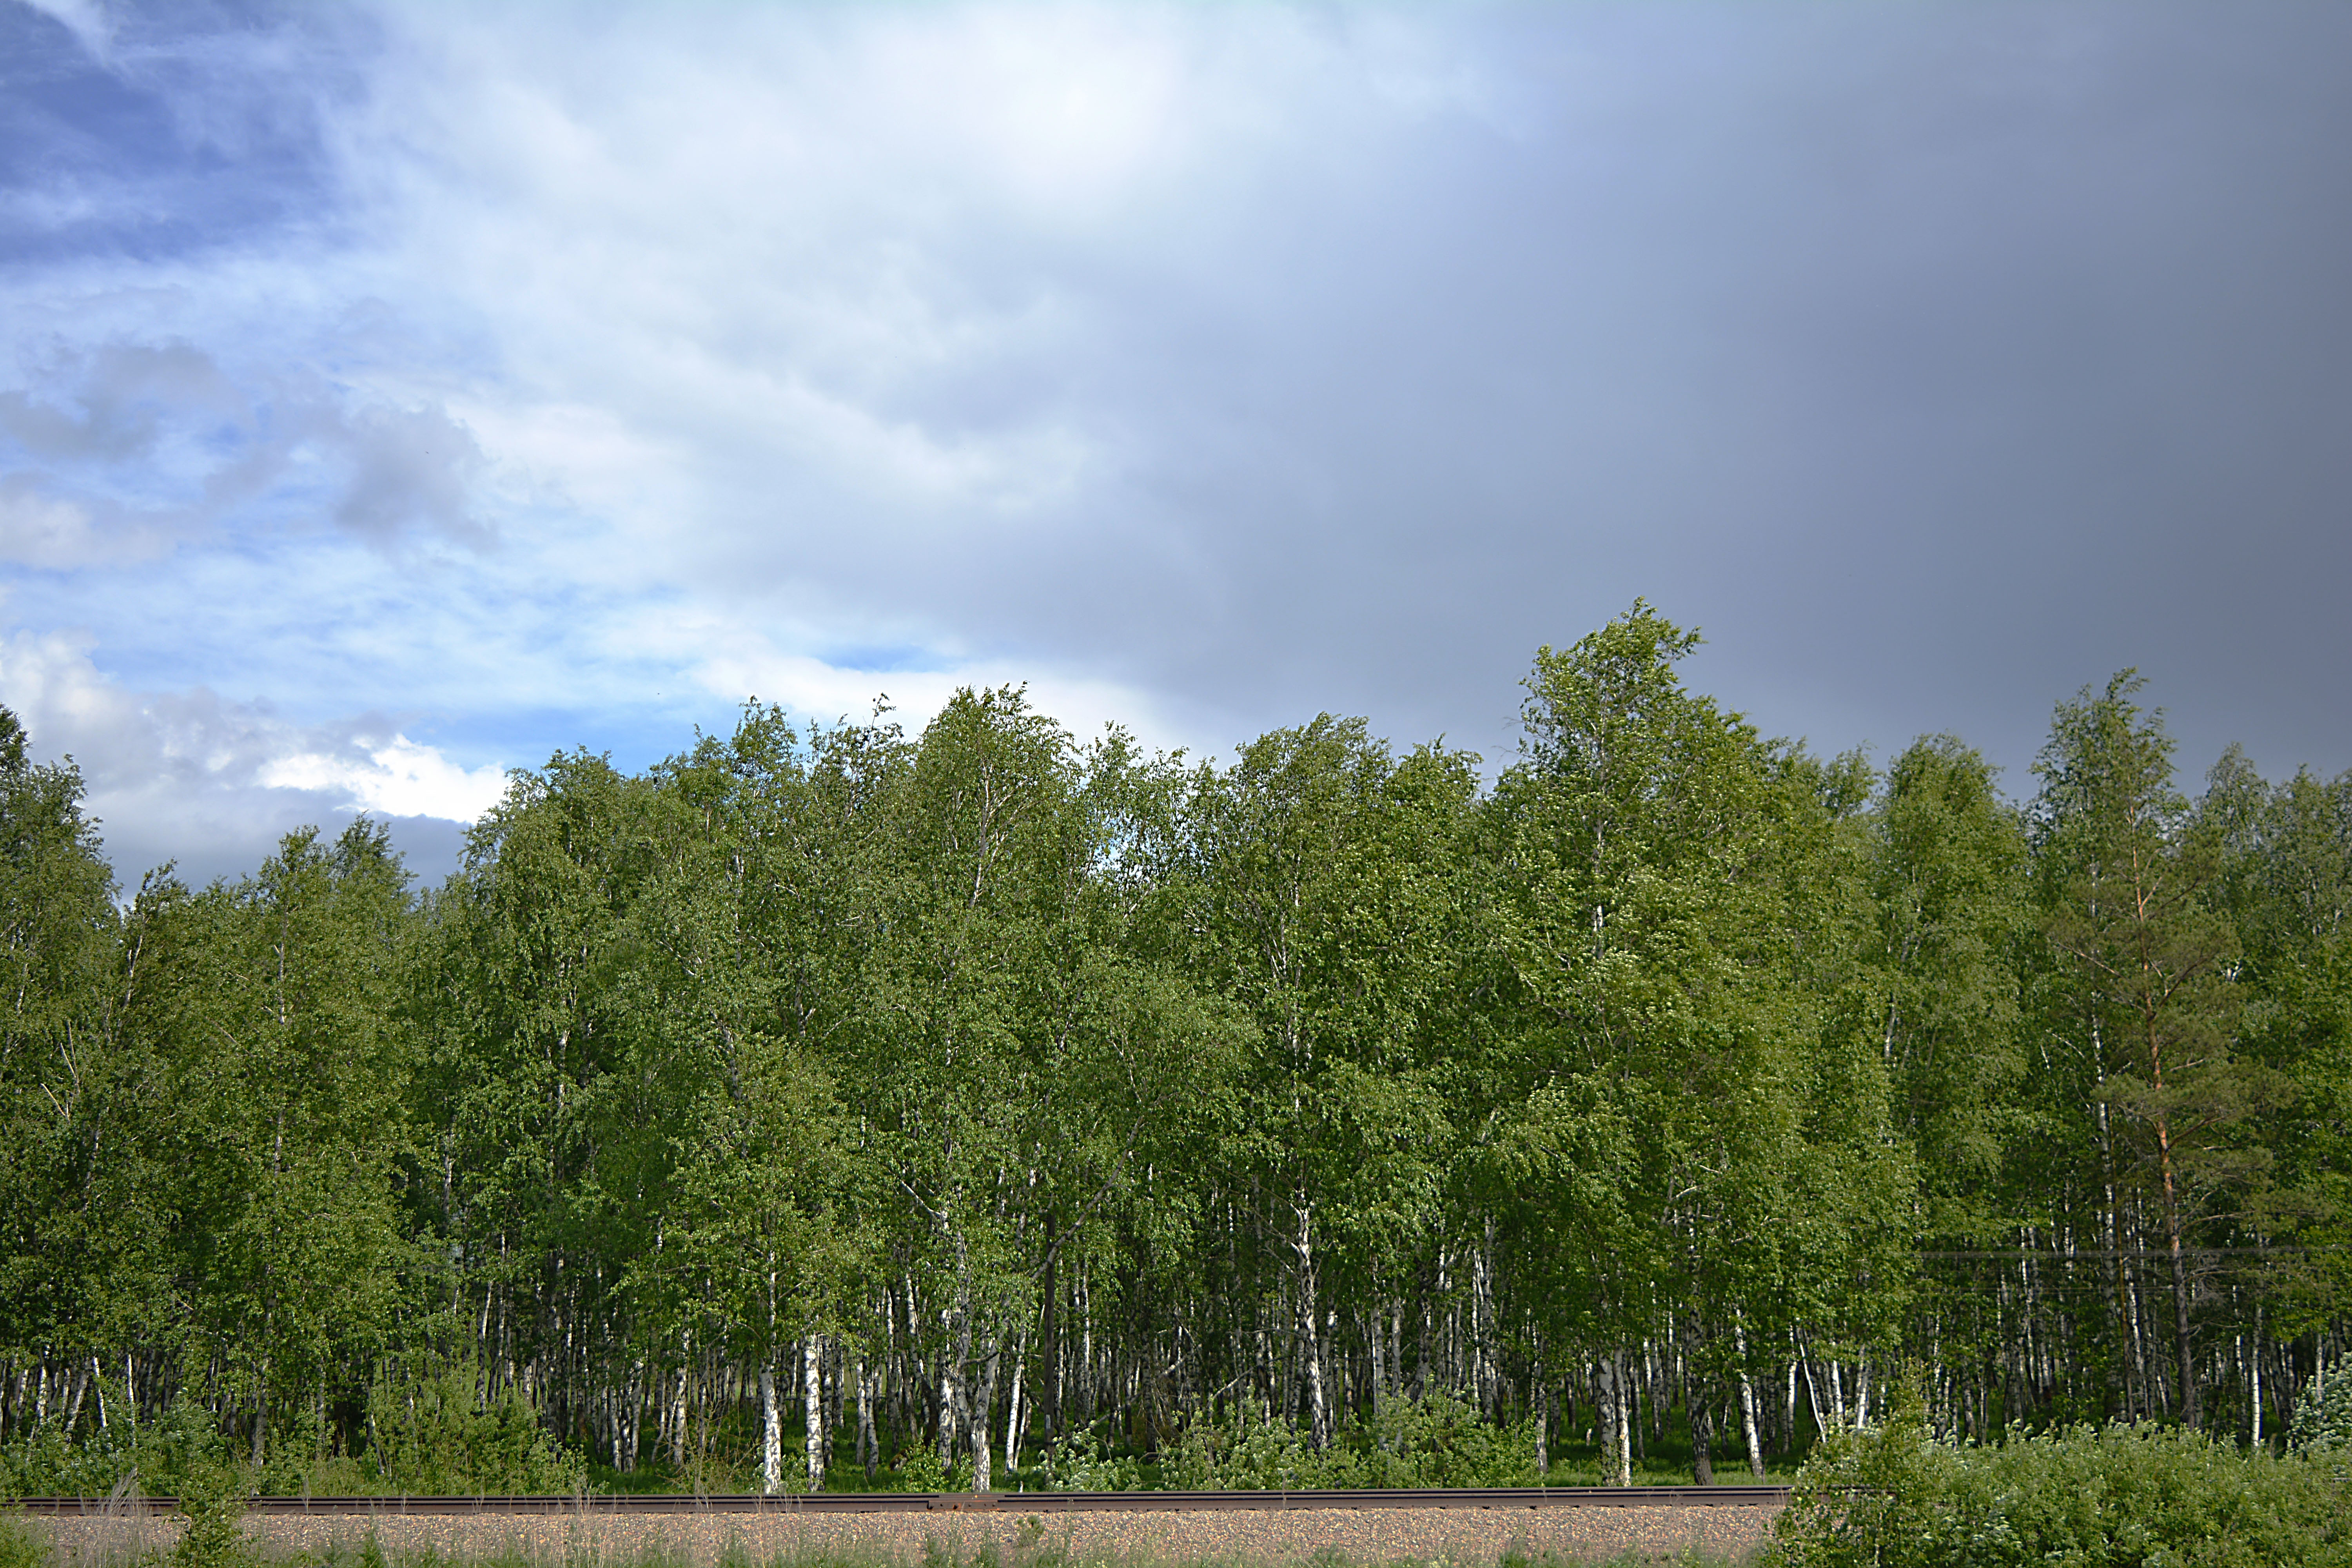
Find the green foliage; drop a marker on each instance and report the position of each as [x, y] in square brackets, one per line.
[1895, 1496]
[1437, 1441]
[19, 1547]
[435, 1436]
[2322, 1430]
[919, 1471]
[47, 1463]
[191, 1462]
[1082, 1462]
[998, 1080]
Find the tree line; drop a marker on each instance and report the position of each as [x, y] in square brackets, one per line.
[834, 1103]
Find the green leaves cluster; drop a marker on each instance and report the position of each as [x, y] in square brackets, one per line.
[1401, 1443]
[433, 1435]
[1898, 1497]
[2322, 1428]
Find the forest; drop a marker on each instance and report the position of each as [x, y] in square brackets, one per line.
[835, 1106]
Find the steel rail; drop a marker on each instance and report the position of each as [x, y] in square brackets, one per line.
[945, 1502]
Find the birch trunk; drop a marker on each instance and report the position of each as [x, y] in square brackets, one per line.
[679, 1407]
[1747, 1428]
[1542, 1401]
[1702, 1426]
[2255, 1379]
[812, 1392]
[1013, 1407]
[983, 1469]
[867, 1448]
[771, 1433]
[1310, 1335]
[1748, 1425]
[1616, 1426]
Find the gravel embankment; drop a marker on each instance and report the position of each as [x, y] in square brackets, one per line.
[1382, 1536]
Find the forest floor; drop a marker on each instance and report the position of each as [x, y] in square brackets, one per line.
[1004, 1538]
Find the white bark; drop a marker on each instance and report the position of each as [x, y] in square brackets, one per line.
[1543, 1426]
[2255, 1379]
[1747, 1426]
[678, 1403]
[1616, 1422]
[771, 1434]
[1013, 1412]
[813, 1390]
[983, 1441]
[1748, 1423]
[867, 1447]
[1310, 1335]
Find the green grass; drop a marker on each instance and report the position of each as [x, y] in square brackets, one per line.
[1039, 1552]
[19, 1546]
[22, 1546]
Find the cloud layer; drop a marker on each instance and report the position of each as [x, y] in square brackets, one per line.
[453, 386]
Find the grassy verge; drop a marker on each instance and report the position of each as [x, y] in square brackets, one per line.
[22, 1545]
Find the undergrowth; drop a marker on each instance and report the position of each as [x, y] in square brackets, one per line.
[1034, 1547]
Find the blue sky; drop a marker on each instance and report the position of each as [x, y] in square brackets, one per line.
[391, 396]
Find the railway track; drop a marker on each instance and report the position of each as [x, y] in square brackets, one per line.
[951, 1502]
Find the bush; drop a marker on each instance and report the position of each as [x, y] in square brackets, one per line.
[2322, 1428]
[19, 1547]
[435, 1438]
[46, 1465]
[189, 1460]
[1080, 1462]
[1442, 1442]
[1433, 1442]
[1896, 1496]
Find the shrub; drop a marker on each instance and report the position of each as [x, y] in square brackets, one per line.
[1442, 1442]
[1437, 1441]
[1081, 1462]
[45, 1464]
[19, 1547]
[1896, 1497]
[435, 1437]
[2322, 1428]
[190, 1461]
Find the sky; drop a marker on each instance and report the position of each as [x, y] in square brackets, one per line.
[392, 395]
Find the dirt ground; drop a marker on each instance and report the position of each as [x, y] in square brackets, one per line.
[1363, 1535]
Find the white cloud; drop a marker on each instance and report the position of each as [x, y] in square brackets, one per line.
[747, 667]
[185, 775]
[399, 778]
[40, 531]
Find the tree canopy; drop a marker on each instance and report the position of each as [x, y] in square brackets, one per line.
[988, 1099]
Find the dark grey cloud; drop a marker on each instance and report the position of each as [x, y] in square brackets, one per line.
[1935, 359]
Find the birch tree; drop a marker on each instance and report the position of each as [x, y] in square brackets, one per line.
[1331, 911]
[287, 1064]
[1026, 1050]
[74, 1252]
[2126, 873]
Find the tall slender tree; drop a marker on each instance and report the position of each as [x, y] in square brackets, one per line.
[2128, 883]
